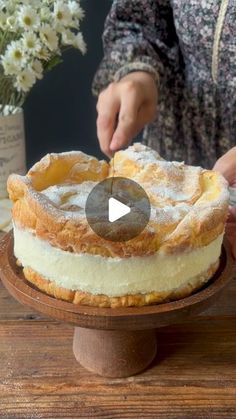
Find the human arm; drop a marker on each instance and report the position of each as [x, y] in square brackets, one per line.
[226, 165]
[140, 44]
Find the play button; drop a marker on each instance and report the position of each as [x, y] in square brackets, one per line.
[117, 209]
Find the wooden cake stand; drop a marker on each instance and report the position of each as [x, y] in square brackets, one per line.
[112, 342]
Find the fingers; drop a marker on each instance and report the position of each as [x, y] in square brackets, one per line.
[108, 108]
[122, 104]
[134, 115]
[226, 166]
[127, 121]
[123, 110]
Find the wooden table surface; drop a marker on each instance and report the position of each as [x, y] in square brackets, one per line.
[193, 375]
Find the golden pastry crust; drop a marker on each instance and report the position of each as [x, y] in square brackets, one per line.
[189, 205]
[137, 300]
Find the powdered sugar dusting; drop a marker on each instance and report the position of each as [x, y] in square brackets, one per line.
[70, 197]
[141, 153]
[174, 189]
[170, 214]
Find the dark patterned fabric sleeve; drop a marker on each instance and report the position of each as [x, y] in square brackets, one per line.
[138, 35]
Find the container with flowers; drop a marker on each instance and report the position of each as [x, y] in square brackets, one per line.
[33, 36]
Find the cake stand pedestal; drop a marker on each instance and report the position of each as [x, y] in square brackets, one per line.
[113, 342]
[114, 353]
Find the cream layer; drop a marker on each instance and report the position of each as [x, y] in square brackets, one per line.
[113, 276]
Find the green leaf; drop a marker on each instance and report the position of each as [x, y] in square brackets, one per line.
[53, 62]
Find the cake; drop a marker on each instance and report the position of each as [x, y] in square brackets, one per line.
[176, 253]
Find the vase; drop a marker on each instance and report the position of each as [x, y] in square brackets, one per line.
[12, 145]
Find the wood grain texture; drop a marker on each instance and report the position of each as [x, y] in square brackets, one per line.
[192, 377]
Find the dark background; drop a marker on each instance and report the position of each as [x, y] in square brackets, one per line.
[60, 112]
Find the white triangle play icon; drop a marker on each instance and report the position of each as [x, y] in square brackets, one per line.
[117, 210]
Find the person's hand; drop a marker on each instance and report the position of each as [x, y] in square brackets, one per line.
[226, 165]
[124, 108]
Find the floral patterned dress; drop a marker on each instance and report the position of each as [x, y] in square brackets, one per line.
[191, 48]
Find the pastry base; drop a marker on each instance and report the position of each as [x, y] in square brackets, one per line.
[136, 300]
[114, 343]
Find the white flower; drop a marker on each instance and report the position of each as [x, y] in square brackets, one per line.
[15, 52]
[79, 43]
[45, 14]
[10, 67]
[31, 43]
[32, 3]
[49, 37]
[25, 80]
[28, 18]
[68, 37]
[37, 69]
[9, 6]
[43, 54]
[76, 10]
[12, 23]
[62, 13]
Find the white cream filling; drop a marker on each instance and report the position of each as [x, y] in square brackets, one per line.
[113, 276]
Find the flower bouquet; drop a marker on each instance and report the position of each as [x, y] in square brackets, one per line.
[33, 36]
